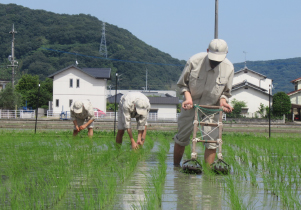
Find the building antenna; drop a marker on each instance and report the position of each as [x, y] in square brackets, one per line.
[245, 59]
[76, 62]
[103, 43]
[11, 58]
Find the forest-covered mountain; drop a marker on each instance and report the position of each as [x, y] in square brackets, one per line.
[68, 35]
[39, 29]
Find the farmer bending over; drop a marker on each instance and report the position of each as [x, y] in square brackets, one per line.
[205, 80]
[82, 115]
[133, 105]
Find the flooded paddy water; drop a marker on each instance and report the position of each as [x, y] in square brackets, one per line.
[55, 171]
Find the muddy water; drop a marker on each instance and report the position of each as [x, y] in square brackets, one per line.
[183, 191]
[132, 194]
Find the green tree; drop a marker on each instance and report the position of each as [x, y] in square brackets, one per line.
[179, 107]
[237, 105]
[281, 104]
[263, 110]
[9, 98]
[111, 107]
[28, 87]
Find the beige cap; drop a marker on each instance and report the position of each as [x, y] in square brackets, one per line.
[217, 50]
[77, 107]
[141, 107]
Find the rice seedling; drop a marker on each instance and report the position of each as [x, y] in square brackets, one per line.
[52, 170]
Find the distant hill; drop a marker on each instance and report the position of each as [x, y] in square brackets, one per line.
[38, 29]
[282, 71]
[68, 35]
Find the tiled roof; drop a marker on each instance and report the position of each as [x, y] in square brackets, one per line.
[293, 92]
[246, 84]
[247, 69]
[97, 73]
[152, 100]
[163, 100]
[295, 80]
[111, 99]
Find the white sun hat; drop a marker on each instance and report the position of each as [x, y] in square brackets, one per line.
[141, 106]
[217, 50]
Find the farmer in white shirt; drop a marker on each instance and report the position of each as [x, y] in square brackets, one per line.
[82, 115]
[133, 105]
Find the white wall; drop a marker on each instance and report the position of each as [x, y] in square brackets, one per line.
[296, 98]
[252, 78]
[89, 88]
[165, 110]
[299, 85]
[252, 98]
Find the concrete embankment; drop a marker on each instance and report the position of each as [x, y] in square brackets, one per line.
[43, 124]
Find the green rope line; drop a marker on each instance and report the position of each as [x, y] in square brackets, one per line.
[207, 111]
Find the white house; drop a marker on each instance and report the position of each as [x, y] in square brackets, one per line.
[73, 83]
[252, 88]
[162, 106]
[295, 97]
[172, 93]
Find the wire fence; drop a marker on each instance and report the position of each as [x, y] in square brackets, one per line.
[14, 114]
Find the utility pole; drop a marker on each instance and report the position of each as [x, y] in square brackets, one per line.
[146, 81]
[115, 101]
[216, 20]
[103, 43]
[11, 58]
[269, 111]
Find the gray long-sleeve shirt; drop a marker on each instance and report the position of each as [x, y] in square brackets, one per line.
[204, 83]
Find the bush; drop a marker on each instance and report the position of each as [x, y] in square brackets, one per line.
[281, 104]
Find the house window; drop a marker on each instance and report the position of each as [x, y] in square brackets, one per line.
[57, 103]
[71, 83]
[153, 114]
[70, 102]
[296, 86]
[77, 83]
[153, 111]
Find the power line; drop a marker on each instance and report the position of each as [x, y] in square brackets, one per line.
[113, 59]
[168, 64]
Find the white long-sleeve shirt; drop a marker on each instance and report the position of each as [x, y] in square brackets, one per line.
[87, 113]
[127, 104]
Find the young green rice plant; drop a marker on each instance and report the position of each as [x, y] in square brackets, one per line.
[235, 202]
[158, 175]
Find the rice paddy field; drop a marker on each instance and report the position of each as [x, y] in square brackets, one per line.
[53, 170]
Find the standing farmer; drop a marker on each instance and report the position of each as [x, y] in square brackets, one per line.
[133, 105]
[82, 115]
[206, 80]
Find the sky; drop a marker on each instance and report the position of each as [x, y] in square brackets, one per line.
[254, 30]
